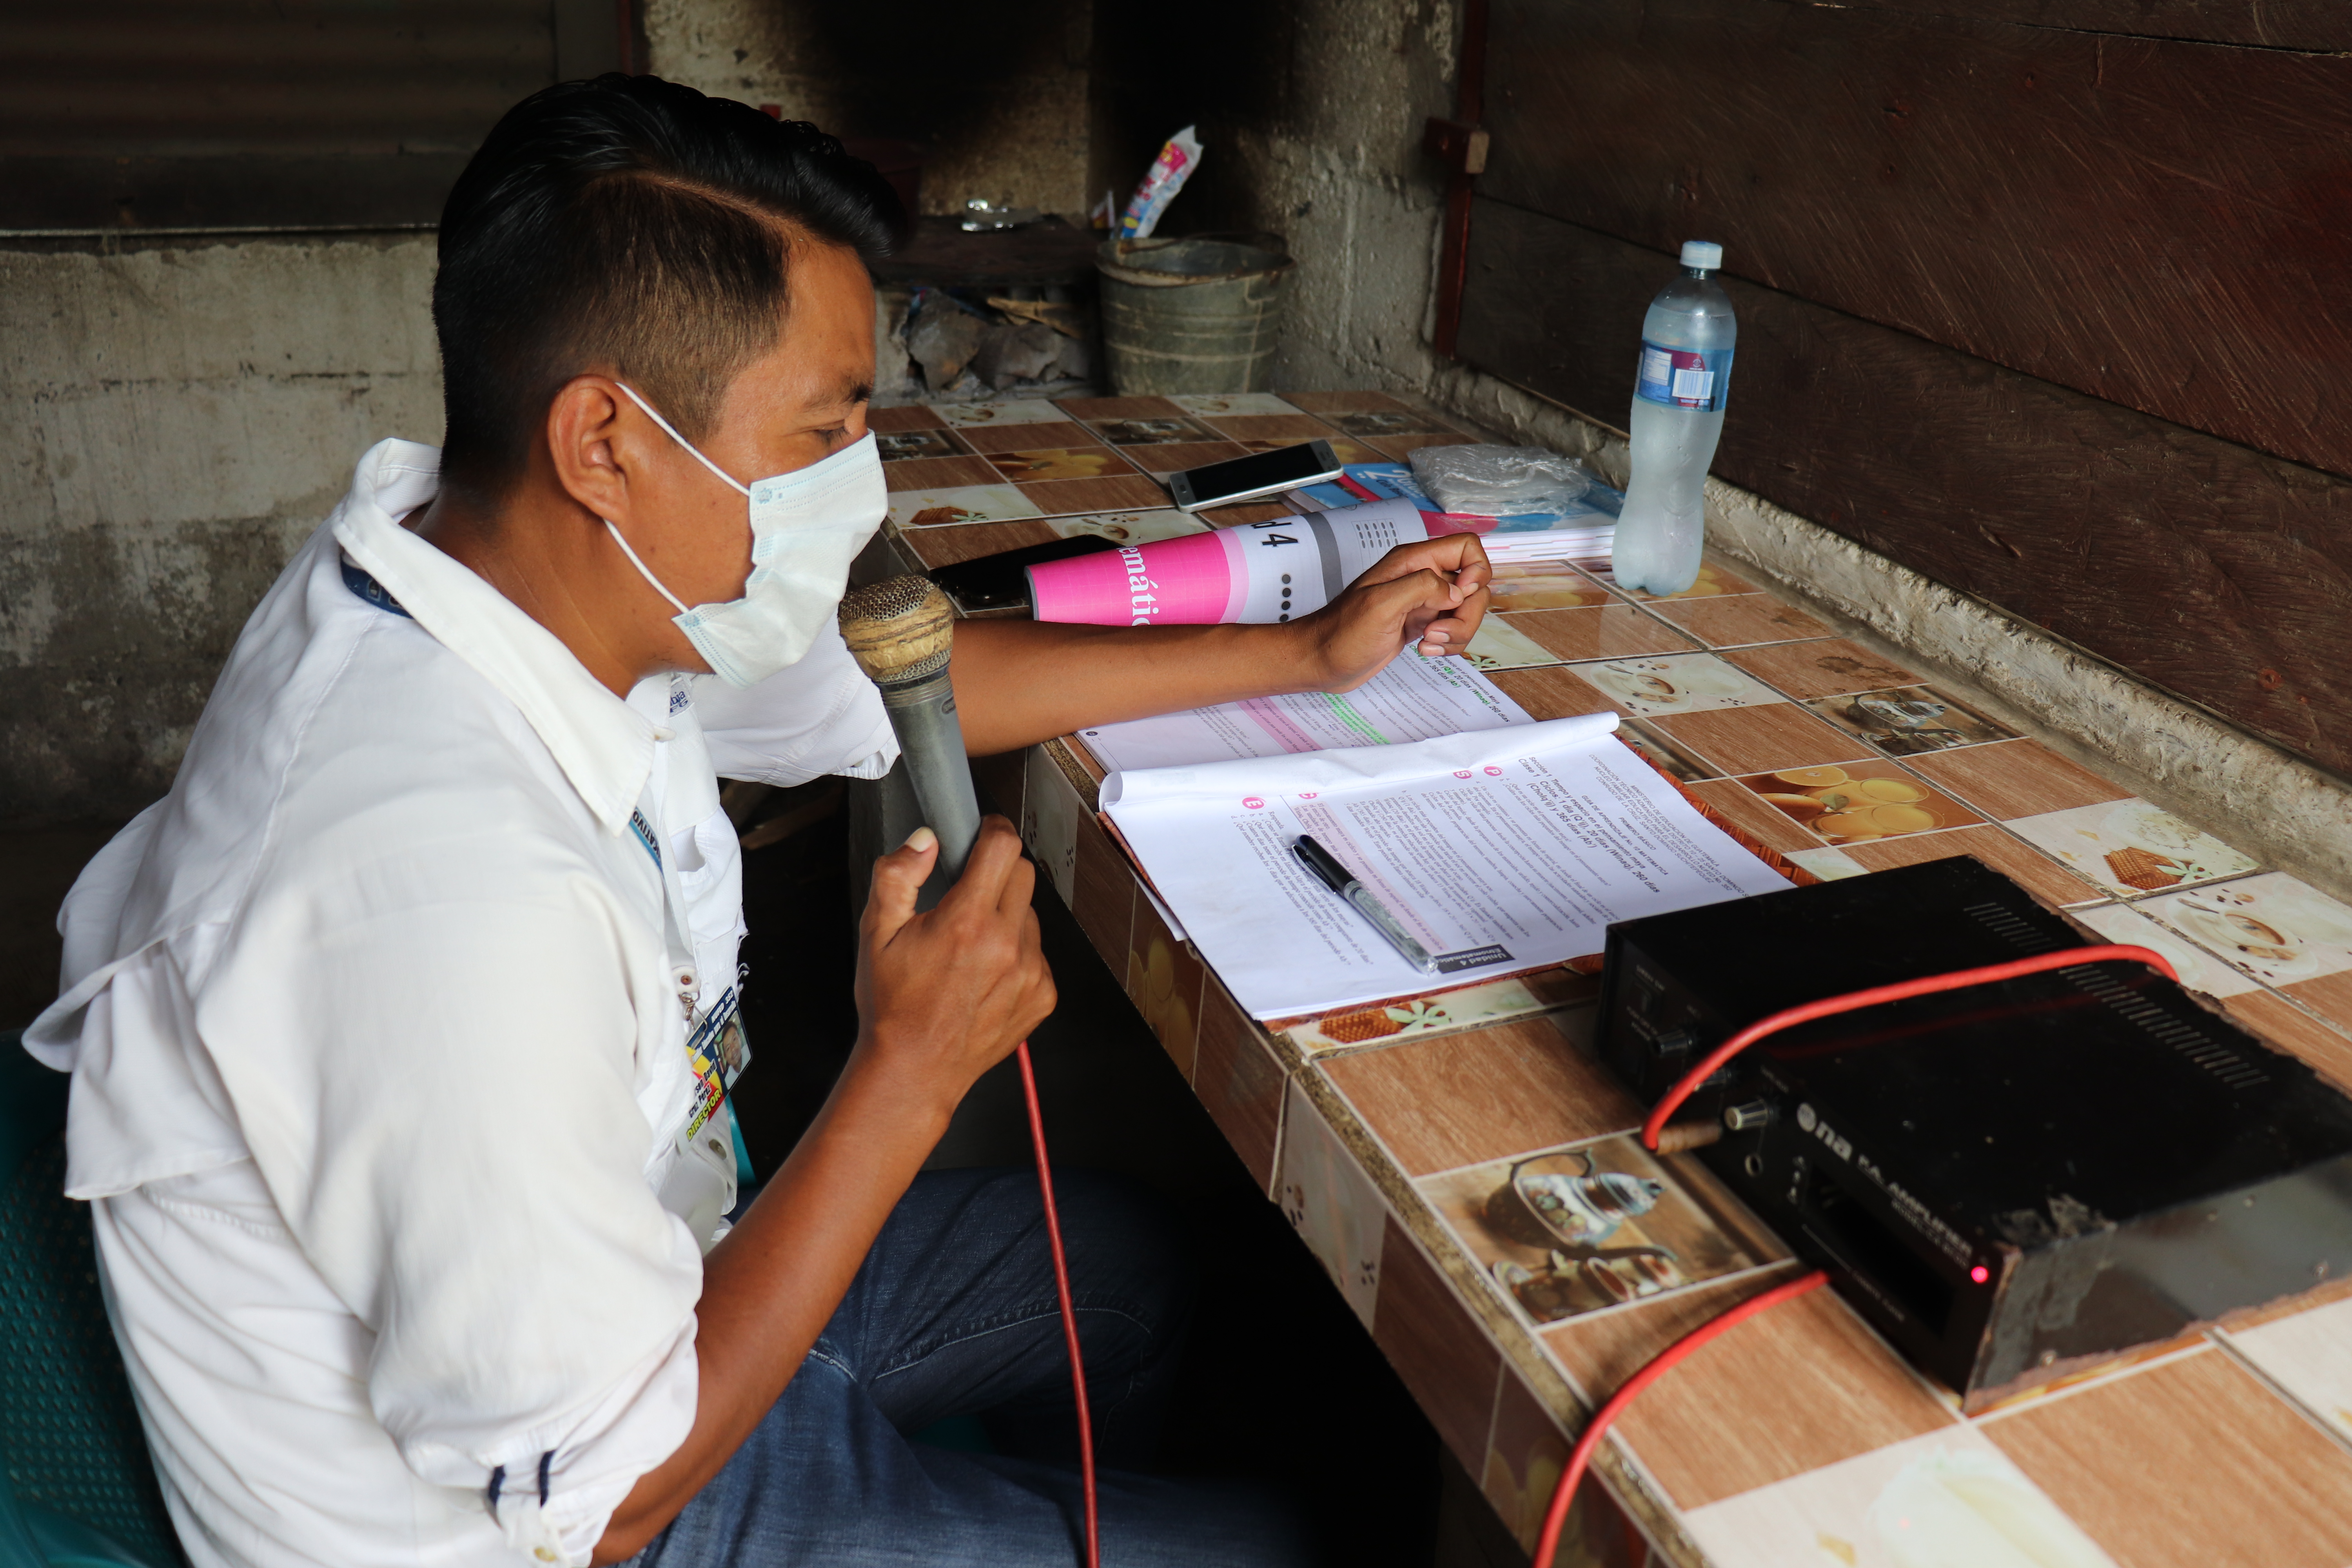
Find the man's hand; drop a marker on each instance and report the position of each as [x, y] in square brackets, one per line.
[944, 995]
[1433, 594]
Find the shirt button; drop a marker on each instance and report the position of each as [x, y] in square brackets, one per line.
[543, 1553]
[662, 734]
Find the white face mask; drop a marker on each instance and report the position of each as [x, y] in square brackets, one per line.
[807, 526]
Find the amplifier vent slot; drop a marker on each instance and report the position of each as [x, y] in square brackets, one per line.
[2184, 1037]
[2005, 923]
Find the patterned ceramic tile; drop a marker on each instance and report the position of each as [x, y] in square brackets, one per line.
[1858, 802]
[1574, 1230]
[1501, 644]
[1448, 1365]
[1526, 1451]
[1174, 457]
[1910, 720]
[1756, 740]
[1661, 750]
[1131, 527]
[2037, 873]
[2017, 778]
[1712, 581]
[1285, 429]
[1546, 587]
[2220, 1470]
[2198, 970]
[1948, 1498]
[1802, 1386]
[1446, 1011]
[1754, 815]
[898, 446]
[1452, 1100]
[1036, 435]
[1829, 865]
[1602, 631]
[2279, 929]
[1238, 1082]
[2309, 1356]
[928, 474]
[1163, 980]
[1402, 447]
[968, 504]
[1021, 411]
[905, 416]
[2130, 846]
[1130, 492]
[1332, 1205]
[1556, 692]
[1740, 620]
[2326, 1049]
[1675, 683]
[1242, 402]
[1172, 431]
[1383, 425]
[1829, 667]
[1059, 463]
[1096, 408]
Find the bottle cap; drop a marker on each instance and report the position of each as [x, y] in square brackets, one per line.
[1703, 254]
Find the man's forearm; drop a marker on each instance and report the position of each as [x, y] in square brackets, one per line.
[1019, 682]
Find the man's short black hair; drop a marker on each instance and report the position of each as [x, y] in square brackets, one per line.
[630, 225]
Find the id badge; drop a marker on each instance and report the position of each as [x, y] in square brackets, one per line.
[700, 1188]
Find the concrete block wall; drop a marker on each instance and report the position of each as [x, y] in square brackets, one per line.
[183, 413]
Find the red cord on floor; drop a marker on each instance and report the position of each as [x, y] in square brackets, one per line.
[1069, 1310]
[1564, 1494]
[1829, 1006]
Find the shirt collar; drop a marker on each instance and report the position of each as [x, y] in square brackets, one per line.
[604, 747]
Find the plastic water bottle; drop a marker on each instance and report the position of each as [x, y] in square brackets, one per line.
[1679, 395]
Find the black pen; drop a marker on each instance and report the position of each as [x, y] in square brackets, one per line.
[1344, 882]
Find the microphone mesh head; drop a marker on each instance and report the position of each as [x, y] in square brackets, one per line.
[899, 631]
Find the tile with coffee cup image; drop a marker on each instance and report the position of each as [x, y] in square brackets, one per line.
[1499, 644]
[960, 503]
[1676, 683]
[2279, 929]
[2131, 846]
[1575, 1229]
[1858, 802]
[1909, 720]
[2197, 968]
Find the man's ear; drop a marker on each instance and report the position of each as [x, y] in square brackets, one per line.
[595, 451]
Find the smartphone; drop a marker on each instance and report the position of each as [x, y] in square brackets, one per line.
[997, 582]
[1259, 474]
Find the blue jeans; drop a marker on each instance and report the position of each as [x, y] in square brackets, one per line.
[954, 1313]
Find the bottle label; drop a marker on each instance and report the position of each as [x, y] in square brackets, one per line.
[1683, 378]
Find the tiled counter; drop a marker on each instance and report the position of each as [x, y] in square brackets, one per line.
[1389, 1135]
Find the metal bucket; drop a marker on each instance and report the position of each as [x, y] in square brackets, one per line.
[1200, 313]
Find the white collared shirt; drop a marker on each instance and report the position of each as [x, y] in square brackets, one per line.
[380, 1057]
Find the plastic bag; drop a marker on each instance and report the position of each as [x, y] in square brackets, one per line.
[1178, 158]
[1499, 481]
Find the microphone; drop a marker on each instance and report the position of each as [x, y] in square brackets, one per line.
[901, 632]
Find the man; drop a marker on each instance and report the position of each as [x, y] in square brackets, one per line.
[395, 1027]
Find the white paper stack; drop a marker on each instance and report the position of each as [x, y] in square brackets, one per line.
[1587, 538]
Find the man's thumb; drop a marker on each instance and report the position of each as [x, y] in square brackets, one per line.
[899, 878]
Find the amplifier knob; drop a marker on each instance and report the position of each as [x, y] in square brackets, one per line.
[1754, 1114]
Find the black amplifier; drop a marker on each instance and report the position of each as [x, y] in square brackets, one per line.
[2011, 1182]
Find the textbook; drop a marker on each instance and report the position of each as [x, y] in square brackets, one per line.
[1585, 530]
[1499, 851]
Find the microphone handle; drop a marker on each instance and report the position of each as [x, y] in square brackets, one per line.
[931, 740]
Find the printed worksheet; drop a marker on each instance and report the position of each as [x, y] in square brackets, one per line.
[1499, 851]
[1413, 698]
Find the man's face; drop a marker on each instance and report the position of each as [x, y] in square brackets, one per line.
[795, 406]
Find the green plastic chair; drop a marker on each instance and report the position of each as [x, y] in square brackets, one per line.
[79, 1491]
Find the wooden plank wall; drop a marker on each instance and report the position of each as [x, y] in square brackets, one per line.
[2050, 311]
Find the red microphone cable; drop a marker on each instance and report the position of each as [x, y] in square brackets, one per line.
[1070, 1309]
[1655, 1368]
